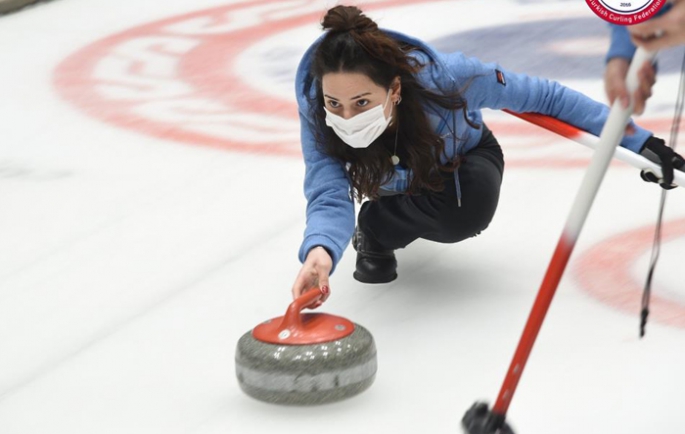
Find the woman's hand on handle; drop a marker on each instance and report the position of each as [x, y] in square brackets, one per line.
[314, 273]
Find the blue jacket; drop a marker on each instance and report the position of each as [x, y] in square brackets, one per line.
[621, 45]
[330, 208]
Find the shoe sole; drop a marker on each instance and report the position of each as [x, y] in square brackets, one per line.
[366, 279]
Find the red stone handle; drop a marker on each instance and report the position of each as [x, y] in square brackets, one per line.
[293, 319]
[296, 328]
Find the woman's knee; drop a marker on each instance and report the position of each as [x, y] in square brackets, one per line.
[465, 222]
[463, 219]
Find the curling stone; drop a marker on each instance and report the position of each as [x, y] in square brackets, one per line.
[305, 359]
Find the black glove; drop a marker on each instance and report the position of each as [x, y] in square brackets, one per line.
[655, 150]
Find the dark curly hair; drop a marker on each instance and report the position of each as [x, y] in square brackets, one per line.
[354, 43]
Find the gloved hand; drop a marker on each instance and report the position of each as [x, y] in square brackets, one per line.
[655, 150]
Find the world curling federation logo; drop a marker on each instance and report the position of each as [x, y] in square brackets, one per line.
[625, 12]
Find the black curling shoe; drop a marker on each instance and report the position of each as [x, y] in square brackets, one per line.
[374, 265]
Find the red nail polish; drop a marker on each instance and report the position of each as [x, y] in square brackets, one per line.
[325, 290]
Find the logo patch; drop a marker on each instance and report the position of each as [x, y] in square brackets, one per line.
[500, 77]
[625, 12]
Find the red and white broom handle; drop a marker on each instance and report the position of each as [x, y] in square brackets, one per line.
[611, 136]
[592, 141]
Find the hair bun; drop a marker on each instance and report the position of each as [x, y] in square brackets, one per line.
[346, 19]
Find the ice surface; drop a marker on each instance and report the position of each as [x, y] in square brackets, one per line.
[133, 255]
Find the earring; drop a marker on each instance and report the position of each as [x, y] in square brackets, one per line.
[399, 100]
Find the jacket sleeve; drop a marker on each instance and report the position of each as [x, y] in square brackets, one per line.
[330, 209]
[621, 45]
[490, 86]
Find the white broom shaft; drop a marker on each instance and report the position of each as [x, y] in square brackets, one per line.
[609, 139]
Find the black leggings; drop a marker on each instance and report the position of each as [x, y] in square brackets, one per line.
[396, 221]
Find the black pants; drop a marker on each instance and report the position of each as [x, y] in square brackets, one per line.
[394, 222]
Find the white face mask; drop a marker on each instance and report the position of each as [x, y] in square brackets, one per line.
[360, 130]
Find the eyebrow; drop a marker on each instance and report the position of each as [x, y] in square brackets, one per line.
[353, 98]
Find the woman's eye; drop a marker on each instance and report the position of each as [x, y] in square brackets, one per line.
[362, 102]
[333, 104]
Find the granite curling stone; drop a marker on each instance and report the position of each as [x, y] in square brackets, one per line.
[305, 359]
